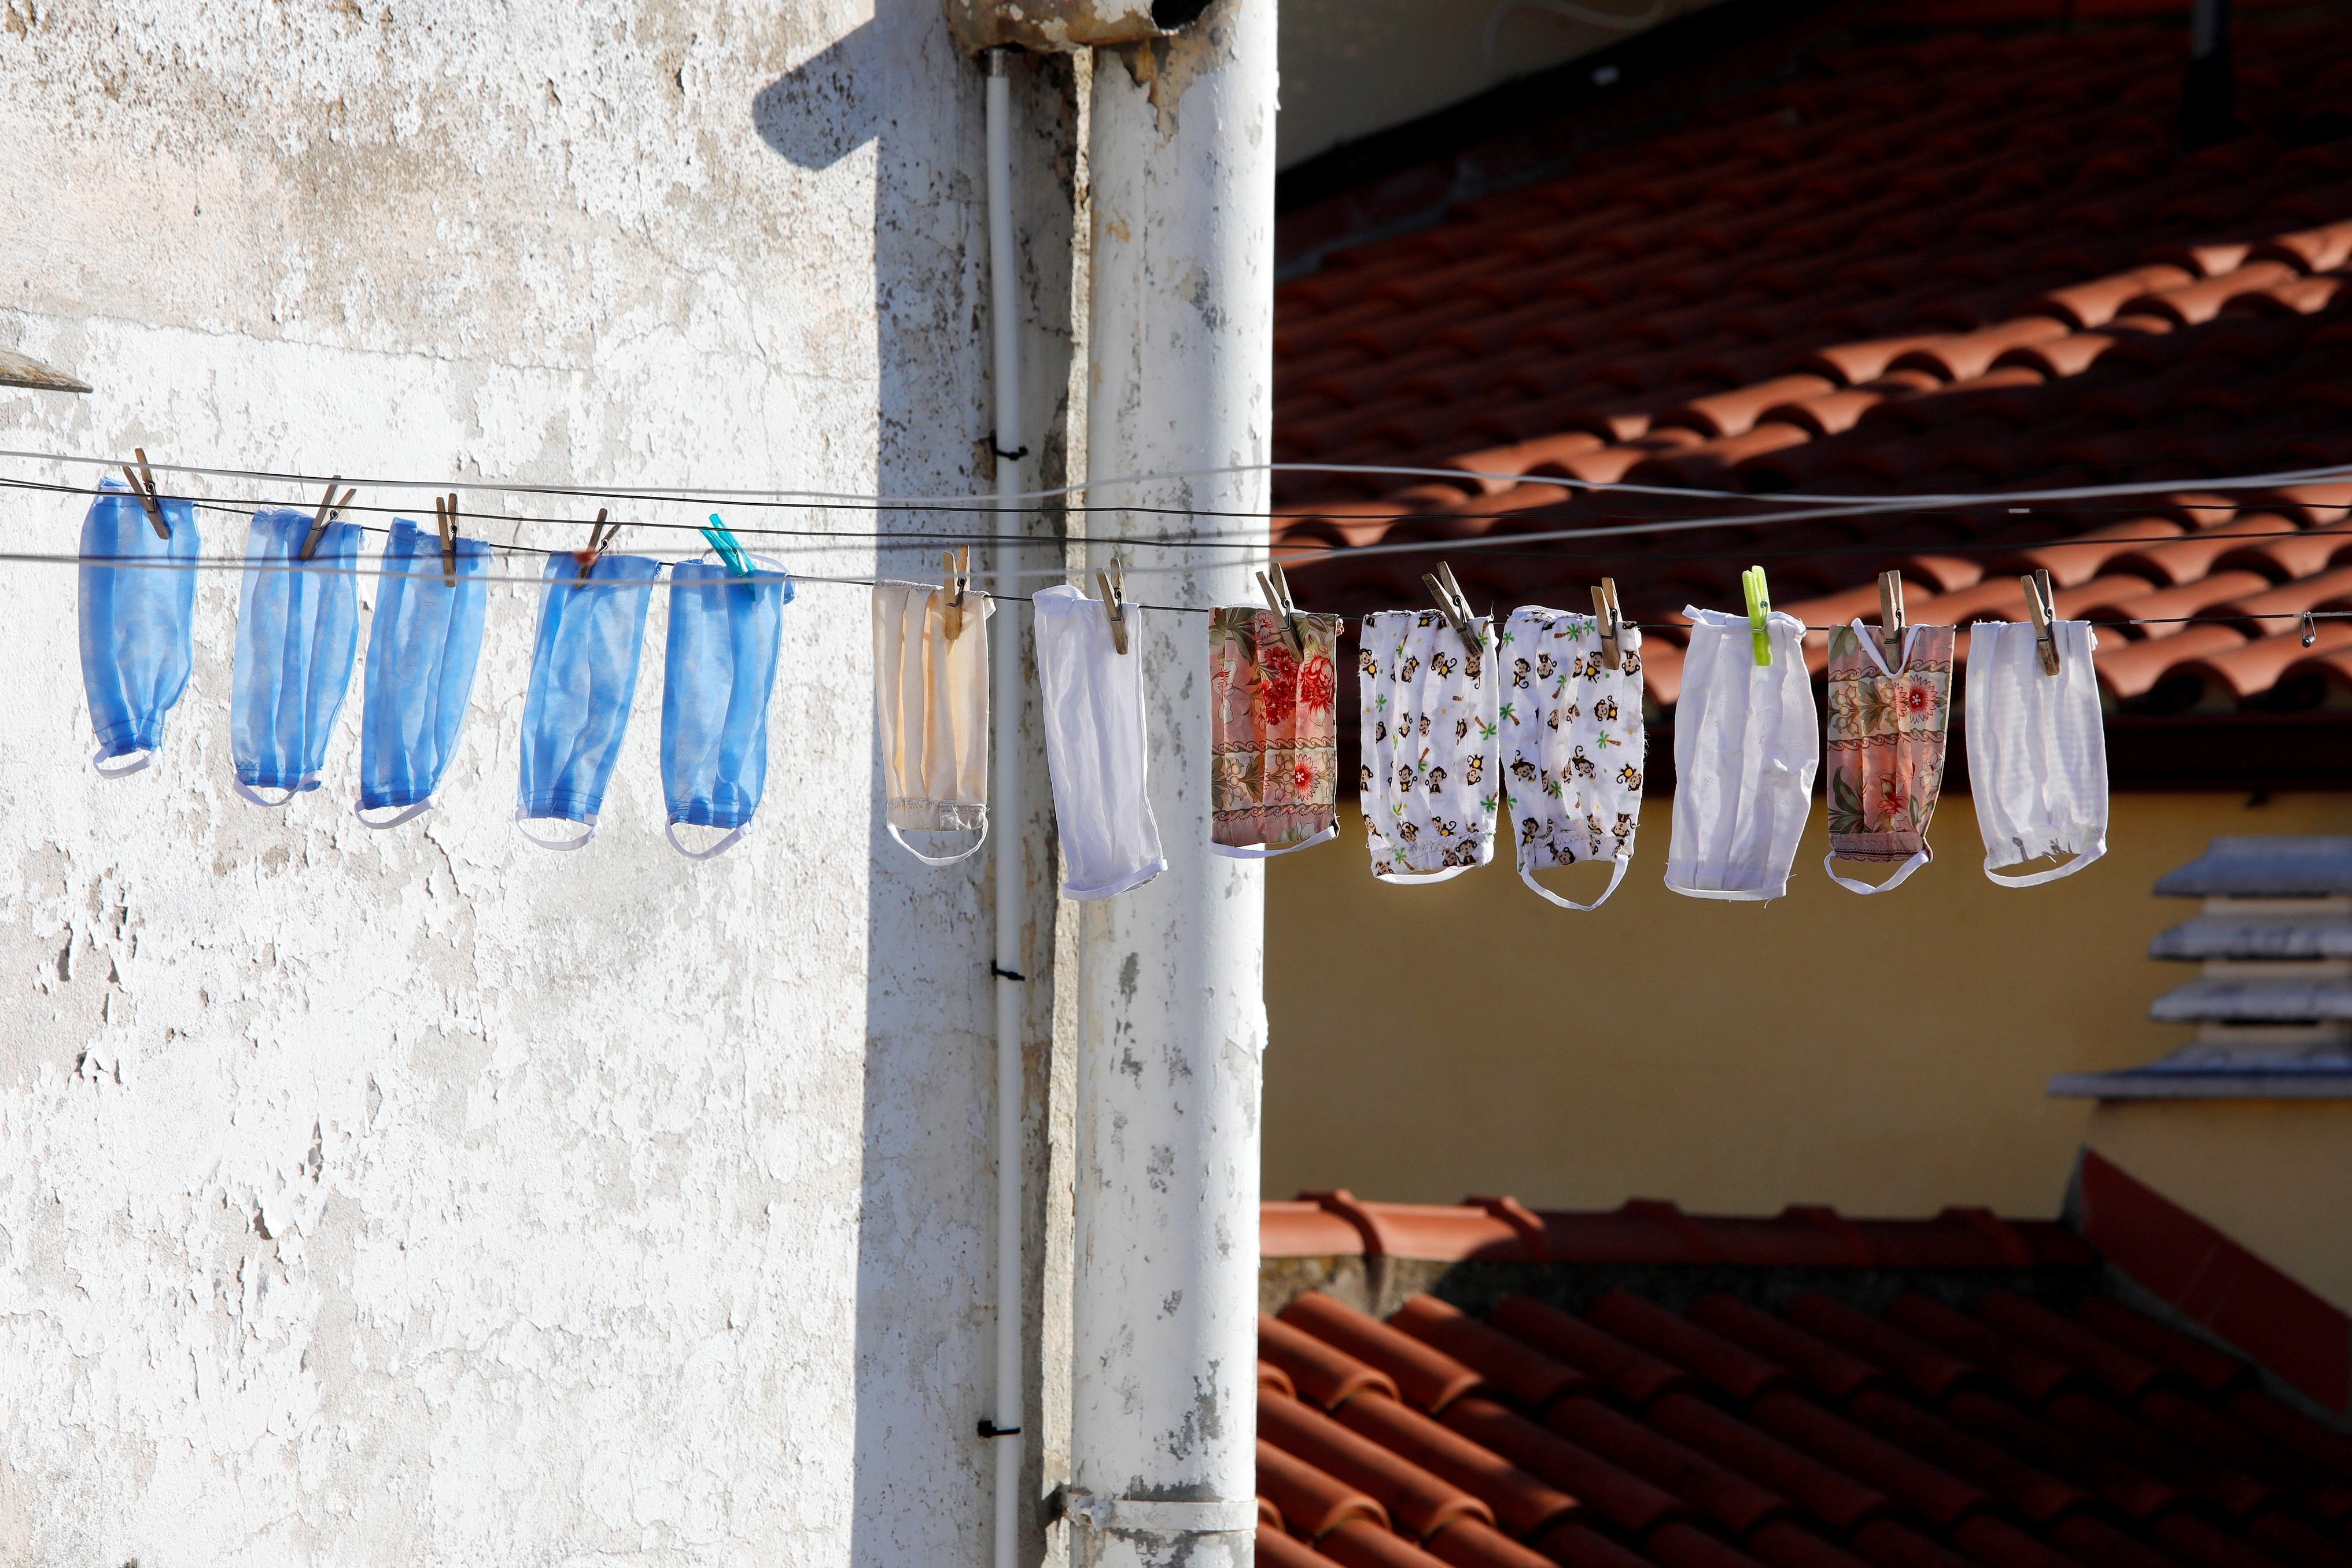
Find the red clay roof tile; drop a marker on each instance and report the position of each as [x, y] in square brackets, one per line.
[1618, 1496]
[1312, 1502]
[1633, 1374]
[1427, 1377]
[1323, 1374]
[1276, 1550]
[1530, 1379]
[1418, 1502]
[1736, 1371]
[1524, 1506]
[1835, 1500]
[1361, 1544]
[1717, 305]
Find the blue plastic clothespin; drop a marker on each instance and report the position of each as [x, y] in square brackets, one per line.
[731, 548]
[1760, 612]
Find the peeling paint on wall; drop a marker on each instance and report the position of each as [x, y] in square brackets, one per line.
[422, 1197]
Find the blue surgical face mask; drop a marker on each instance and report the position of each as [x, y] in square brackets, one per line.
[723, 634]
[423, 645]
[583, 678]
[297, 631]
[136, 623]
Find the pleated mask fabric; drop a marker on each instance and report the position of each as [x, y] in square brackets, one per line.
[584, 682]
[137, 624]
[1884, 751]
[1572, 730]
[716, 676]
[1092, 699]
[1747, 740]
[1273, 745]
[2037, 749]
[931, 714]
[297, 635]
[1431, 774]
[425, 646]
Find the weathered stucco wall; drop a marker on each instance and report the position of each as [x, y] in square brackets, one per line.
[425, 1197]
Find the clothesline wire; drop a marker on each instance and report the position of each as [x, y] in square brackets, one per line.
[909, 539]
[1498, 544]
[1750, 551]
[698, 495]
[432, 572]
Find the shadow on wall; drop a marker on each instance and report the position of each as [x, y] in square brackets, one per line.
[923, 1353]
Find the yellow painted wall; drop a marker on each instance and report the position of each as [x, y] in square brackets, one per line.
[2275, 1176]
[1888, 1055]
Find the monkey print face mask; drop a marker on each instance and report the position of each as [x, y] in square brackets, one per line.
[1431, 779]
[1572, 745]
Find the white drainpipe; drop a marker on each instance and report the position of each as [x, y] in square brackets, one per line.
[1171, 1020]
[1005, 676]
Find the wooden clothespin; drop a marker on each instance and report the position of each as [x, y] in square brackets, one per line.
[955, 581]
[1760, 612]
[445, 518]
[1612, 618]
[1453, 604]
[1276, 589]
[1890, 616]
[600, 535]
[328, 509]
[2043, 608]
[143, 485]
[1114, 592]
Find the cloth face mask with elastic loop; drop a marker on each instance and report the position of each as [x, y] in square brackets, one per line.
[716, 676]
[1431, 717]
[1092, 699]
[1747, 740]
[930, 713]
[1885, 749]
[298, 635]
[137, 624]
[1274, 746]
[1572, 730]
[424, 646]
[583, 681]
[2037, 749]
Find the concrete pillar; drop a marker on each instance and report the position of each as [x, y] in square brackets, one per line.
[1171, 1020]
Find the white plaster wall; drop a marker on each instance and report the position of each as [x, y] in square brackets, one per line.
[425, 1198]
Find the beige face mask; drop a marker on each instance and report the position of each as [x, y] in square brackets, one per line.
[931, 711]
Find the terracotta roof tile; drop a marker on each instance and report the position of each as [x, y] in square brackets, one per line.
[2034, 1438]
[1971, 265]
[1427, 1377]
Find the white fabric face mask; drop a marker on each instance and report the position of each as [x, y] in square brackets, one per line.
[1747, 740]
[930, 713]
[1093, 701]
[1572, 744]
[1432, 777]
[2037, 750]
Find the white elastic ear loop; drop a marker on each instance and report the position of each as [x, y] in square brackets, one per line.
[2036, 878]
[1260, 852]
[1892, 883]
[246, 790]
[579, 842]
[1550, 897]
[941, 860]
[97, 765]
[405, 814]
[733, 836]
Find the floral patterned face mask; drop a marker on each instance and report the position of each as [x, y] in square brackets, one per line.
[1885, 761]
[1272, 733]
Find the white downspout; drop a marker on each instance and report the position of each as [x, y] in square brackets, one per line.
[1172, 1017]
[1005, 676]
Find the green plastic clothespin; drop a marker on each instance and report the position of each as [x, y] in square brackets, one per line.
[1759, 611]
[731, 548]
